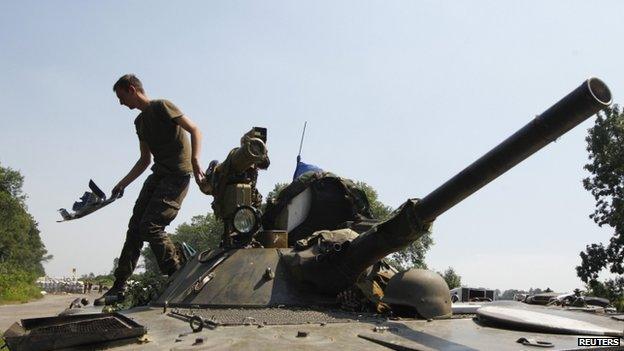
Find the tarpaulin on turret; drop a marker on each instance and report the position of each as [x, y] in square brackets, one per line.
[303, 167]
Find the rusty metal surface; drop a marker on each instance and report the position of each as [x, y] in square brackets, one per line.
[272, 238]
[279, 316]
[521, 316]
[453, 334]
[88, 326]
[248, 278]
[51, 333]
[188, 275]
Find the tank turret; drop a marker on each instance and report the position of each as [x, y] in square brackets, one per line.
[315, 269]
[412, 219]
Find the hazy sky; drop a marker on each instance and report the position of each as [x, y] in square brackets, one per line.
[398, 94]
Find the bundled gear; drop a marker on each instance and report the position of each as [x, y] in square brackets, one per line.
[334, 202]
[368, 291]
[331, 271]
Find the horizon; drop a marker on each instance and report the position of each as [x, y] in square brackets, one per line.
[400, 95]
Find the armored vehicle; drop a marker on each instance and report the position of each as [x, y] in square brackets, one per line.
[308, 271]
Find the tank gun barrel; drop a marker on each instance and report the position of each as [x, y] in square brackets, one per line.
[411, 220]
[583, 102]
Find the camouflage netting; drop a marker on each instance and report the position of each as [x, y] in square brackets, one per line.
[335, 200]
[331, 261]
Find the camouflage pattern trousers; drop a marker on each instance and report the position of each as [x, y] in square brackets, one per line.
[158, 204]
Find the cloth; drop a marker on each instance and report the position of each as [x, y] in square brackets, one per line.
[303, 167]
[158, 204]
[335, 200]
[167, 141]
[333, 271]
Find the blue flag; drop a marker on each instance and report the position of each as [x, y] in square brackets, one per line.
[304, 167]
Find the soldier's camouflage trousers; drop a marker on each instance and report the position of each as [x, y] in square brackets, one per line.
[157, 205]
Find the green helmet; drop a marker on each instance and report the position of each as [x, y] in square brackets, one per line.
[420, 289]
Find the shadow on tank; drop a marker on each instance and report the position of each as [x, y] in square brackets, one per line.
[317, 243]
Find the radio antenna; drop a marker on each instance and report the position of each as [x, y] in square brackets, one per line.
[301, 143]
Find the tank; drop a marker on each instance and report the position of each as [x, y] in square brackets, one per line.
[309, 272]
[298, 274]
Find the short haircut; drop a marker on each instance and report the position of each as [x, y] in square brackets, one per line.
[128, 80]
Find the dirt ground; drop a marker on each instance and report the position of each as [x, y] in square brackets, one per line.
[49, 305]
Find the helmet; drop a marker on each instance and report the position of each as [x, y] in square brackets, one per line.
[423, 290]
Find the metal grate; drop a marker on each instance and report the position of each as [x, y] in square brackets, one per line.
[88, 326]
[278, 316]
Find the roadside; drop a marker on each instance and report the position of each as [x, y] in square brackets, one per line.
[49, 305]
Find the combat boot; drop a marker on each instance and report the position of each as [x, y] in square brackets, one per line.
[113, 295]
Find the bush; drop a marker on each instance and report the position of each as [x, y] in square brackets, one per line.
[619, 304]
[17, 285]
[142, 288]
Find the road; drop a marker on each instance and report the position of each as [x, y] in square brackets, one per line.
[49, 305]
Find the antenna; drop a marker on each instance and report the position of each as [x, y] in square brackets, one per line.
[301, 143]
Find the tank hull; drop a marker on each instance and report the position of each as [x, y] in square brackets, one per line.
[459, 333]
[241, 279]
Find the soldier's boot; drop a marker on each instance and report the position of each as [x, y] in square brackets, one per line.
[113, 295]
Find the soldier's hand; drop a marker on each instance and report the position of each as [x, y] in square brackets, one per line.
[117, 191]
[198, 173]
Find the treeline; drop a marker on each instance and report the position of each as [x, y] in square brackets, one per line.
[21, 250]
[605, 182]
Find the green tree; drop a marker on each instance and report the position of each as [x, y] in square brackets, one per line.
[115, 264]
[20, 243]
[453, 280]
[21, 250]
[11, 182]
[203, 233]
[378, 209]
[612, 289]
[412, 256]
[272, 195]
[605, 145]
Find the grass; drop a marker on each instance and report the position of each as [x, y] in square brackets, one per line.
[18, 287]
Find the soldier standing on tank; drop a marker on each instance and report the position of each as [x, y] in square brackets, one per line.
[160, 128]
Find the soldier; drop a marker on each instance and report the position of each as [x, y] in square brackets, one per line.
[160, 128]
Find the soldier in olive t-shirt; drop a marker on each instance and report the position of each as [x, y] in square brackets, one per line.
[161, 128]
[167, 141]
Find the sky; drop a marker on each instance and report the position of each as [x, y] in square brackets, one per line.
[399, 94]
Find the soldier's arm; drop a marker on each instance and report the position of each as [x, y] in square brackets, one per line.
[139, 167]
[196, 137]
